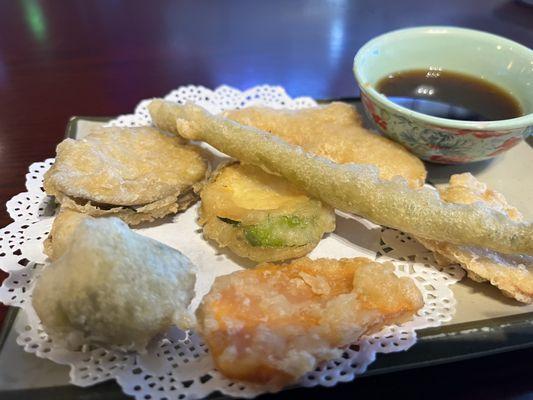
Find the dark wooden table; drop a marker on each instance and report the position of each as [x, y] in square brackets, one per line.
[65, 58]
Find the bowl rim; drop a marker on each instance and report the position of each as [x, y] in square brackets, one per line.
[523, 121]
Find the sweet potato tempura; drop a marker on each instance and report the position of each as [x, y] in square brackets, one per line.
[272, 324]
[335, 131]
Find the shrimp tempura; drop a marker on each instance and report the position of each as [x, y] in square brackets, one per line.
[272, 324]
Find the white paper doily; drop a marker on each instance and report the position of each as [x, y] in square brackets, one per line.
[178, 366]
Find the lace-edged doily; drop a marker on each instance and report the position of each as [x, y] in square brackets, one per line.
[178, 365]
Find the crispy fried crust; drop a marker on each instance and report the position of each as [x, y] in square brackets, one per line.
[114, 287]
[131, 215]
[124, 167]
[135, 174]
[352, 188]
[65, 223]
[239, 197]
[226, 235]
[272, 324]
[512, 274]
[71, 214]
[335, 131]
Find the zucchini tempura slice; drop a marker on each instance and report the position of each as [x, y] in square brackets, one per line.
[114, 287]
[274, 323]
[354, 188]
[261, 216]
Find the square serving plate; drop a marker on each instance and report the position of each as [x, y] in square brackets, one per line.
[486, 322]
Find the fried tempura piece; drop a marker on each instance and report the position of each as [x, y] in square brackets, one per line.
[261, 216]
[512, 274]
[335, 131]
[352, 188]
[272, 324]
[114, 287]
[65, 223]
[136, 174]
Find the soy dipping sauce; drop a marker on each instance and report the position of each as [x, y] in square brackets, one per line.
[449, 94]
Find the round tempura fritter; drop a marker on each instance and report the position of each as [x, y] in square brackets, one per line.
[261, 216]
[273, 323]
[137, 174]
[113, 286]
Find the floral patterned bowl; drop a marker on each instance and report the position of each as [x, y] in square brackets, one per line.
[441, 140]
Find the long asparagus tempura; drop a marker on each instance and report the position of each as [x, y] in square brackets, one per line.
[352, 188]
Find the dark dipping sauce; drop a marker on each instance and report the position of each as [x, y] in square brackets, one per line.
[448, 94]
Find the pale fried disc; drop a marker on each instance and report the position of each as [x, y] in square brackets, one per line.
[124, 167]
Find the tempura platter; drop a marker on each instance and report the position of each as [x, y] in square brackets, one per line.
[479, 312]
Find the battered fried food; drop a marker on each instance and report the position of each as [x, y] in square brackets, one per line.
[261, 216]
[335, 131]
[352, 188]
[136, 174]
[512, 274]
[114, 287]
[62, 232]
[272, 324]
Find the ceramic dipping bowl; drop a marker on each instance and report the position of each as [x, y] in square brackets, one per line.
[447, 141]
